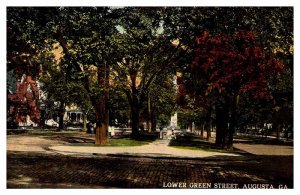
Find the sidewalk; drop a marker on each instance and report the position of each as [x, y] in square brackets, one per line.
[158, 148]
[263, 149]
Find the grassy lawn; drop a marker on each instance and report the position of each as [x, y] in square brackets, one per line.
[120, 142]
[54, 132]
[80, 138]
[44, 132]
[190, 142]
[127, 142]
[144, 139]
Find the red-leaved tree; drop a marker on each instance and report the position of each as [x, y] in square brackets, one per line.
[226, 67]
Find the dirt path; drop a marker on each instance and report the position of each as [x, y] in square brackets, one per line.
[60, 143]
[23, 143]
[158, 148]
[264, 149]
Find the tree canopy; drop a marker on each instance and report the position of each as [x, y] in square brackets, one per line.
[227, 56]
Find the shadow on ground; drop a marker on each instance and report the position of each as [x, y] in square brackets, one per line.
[262, 140]
[196, 143]
[90, 139]
[42, 170]
[37, 170]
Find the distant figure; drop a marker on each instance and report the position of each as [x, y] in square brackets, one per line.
[111, 130]
[173, 136]
[169, 134]
[162, 132]
[90, 127]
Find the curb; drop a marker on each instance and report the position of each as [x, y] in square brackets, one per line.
[163, 156]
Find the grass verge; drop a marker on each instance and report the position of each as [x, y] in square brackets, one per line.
[80, 138]
[190, 142]
[120, 142]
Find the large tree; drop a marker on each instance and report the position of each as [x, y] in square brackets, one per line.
[22, 61]
[145, 55]
[230, 67]
[273, 29]
[161, 104]
[83, 35]
[59, 90]
[135, 46]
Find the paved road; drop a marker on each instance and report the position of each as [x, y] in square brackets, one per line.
[31, 165]
[158, 148]
[38, 170]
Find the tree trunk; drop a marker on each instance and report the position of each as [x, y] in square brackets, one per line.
[276, 121]
[135, 121]
[153, 123]
[101, 123]
[106, 96]
[219, 130]
[202, 129]
[221, 125]
[208, 136]
[149, 114]
[190, 126]
[135, 99]
[101, 107]
[149, 125]
[278, 128]
[208, 121]
[84, 122]
[61, 113]
[232, 123]
[101, 133]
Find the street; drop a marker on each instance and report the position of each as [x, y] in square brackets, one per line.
[50, 169]
[58, 171]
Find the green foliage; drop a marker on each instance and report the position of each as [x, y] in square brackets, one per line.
[119, 109]
[57, 86]
[163, 99]
[190, 114]
[272, 25]
[134, 44]
[11, 81]
[146, 63]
